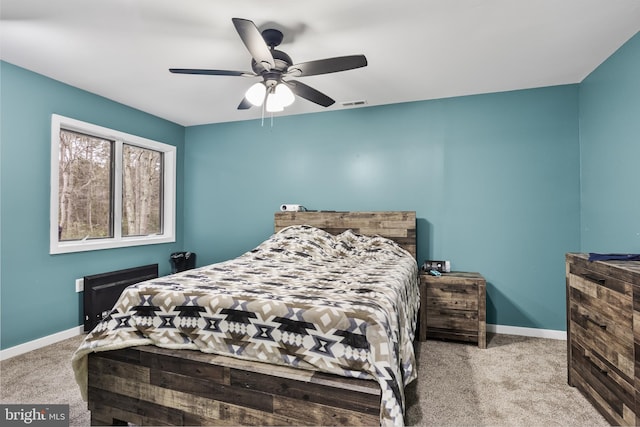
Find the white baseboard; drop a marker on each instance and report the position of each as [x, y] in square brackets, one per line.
[527, 332]
[79, 330]
[40, 342]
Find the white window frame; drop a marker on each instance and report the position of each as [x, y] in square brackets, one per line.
[117, 241]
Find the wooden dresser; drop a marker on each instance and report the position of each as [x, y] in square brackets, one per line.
[453, 307]
[603, 344]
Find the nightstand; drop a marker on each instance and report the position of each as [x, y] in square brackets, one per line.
[453, 307]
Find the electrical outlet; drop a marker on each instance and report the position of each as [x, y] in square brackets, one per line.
[79, 285]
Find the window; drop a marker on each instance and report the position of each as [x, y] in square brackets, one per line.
[109, 189]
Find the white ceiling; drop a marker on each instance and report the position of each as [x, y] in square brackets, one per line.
[416, 49]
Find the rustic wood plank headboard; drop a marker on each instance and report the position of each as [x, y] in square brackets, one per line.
[399, 226]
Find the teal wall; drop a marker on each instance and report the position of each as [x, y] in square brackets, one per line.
[37, 290]
[610, 151]
[494, 180]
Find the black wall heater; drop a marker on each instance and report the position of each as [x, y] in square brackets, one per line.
[101, 291]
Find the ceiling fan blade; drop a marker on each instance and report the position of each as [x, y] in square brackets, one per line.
[326, 66]
[309, 93]
[254, 42]
[244, 104]
[212, 72]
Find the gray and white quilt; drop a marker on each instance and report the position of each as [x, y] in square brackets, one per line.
[344, 304]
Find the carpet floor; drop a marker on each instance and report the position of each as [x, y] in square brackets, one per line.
[516, 381]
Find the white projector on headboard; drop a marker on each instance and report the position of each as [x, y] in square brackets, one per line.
[292, 208]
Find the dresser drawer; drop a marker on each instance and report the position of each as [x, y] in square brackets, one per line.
[604, 338]
[602, 319]
[603, 385]
[614, 294]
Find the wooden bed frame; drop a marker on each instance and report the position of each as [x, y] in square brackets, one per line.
[148, 385]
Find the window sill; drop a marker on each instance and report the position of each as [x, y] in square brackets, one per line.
[94, 245]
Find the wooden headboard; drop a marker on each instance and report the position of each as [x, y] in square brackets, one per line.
[399, 226]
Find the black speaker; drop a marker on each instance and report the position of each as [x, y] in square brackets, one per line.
[182, 261]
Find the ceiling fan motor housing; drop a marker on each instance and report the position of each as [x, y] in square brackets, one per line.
[282, 62]
[271, 79]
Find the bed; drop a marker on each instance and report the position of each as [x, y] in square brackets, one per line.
[312, 327]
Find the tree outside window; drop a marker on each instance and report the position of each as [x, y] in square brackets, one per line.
[85, 187]
[141, 191]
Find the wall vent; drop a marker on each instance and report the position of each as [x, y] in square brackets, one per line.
[354, 103]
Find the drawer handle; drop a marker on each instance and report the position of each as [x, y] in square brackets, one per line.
[595, 322]
[461, 314]
[602, 371]
[455, 290]
[595, 279]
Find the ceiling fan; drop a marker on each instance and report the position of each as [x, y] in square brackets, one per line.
[275, 67]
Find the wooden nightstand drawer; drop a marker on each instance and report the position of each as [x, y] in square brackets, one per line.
[458, 325]
[454, 296]
[453, 306]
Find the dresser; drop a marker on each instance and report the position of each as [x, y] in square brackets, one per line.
[453, 307]
[603, 335]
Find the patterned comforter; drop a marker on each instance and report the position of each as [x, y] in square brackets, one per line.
[344, 304]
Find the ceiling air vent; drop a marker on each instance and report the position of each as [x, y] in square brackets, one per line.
[354, 103]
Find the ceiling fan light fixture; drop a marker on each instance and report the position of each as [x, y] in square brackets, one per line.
[284, 95]
[273, 104]
[278, 97]
[255, 94]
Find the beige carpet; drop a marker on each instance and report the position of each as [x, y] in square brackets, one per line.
[516, 381]
[45, 376]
